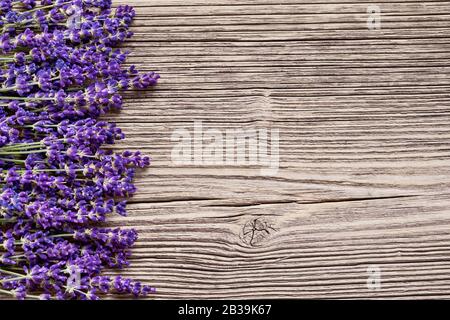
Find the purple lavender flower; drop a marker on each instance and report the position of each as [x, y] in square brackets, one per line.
[58, 180]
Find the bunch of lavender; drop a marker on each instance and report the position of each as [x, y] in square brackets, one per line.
[60, 70]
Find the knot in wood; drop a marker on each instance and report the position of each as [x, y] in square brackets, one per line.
[256, 231]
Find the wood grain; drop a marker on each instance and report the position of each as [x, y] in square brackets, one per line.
[364, 149]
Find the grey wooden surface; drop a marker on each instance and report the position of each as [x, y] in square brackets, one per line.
[364, 148]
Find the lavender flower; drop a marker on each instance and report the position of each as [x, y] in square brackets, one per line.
[59, 181]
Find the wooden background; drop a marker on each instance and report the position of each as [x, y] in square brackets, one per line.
[364, 144]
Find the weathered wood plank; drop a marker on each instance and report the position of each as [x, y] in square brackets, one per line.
[364, 154]
[193, 249]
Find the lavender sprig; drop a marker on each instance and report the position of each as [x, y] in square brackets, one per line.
[60, 69]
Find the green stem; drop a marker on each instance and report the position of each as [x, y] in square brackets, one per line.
[6, 292]
[27, 296]
[19, 145]
[32, 99]
[22, 152]
[63, 235]
[10, 272]
[31, 84]
[13, 279]
[5, 221]
[13, 160]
